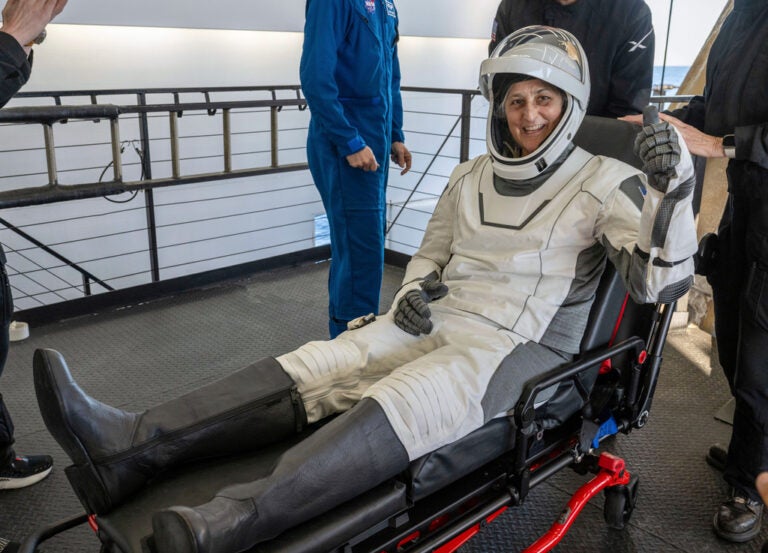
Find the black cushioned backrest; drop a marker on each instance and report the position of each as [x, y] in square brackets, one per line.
[611, 319]
[603, 136]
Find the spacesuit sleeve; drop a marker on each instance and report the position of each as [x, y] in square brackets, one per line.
[435, 250]
[324, 31]
[651, 237]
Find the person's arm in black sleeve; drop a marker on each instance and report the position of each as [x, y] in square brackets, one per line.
[752, 144]
[15, 67]
[693, 113]
[501, 27]
[24, 22]
[632, 68]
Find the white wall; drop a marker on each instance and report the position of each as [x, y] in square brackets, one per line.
[145, 43]
[90, 56]
[145, 57]
[435, 18]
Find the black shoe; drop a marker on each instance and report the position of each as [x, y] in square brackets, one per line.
[25, 471]
[8, 546]
[739, 518]
[717, 456]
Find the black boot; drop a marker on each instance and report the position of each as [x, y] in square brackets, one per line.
[115, 452]
[346, 457]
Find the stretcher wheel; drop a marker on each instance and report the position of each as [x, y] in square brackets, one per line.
[620, 503]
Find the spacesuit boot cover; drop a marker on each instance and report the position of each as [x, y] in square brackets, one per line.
[115, 452]
[353, 453]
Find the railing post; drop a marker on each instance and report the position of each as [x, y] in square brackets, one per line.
[149, 196]
[86, 286]
[466, 120]
[174, 144]
[227, 137]
[117, 161]
[50, 154]
[273, 134]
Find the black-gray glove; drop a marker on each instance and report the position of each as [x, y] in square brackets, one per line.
[658, 147]
[412, 313]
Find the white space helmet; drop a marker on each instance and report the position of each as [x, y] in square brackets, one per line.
[552, 55]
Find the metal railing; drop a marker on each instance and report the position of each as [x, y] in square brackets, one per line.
[157, 128]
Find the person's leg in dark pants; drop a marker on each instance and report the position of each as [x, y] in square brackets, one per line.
[739, 518]
[16, 471]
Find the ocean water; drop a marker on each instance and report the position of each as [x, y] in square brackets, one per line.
[673, 77]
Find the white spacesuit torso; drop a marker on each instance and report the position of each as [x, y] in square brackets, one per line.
[531, 263]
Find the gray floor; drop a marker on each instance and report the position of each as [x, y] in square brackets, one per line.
[138, 356]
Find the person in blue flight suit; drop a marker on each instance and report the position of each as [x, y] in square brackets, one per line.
[350, 76]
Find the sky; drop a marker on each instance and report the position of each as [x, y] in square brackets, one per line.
[692, 21]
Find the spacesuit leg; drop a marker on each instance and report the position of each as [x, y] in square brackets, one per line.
[438, 398]
[332, 375]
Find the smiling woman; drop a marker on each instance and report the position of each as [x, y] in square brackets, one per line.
[533, 109]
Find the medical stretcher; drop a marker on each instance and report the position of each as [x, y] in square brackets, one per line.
[449, 495]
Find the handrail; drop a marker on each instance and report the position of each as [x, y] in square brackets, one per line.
[48, 115]
[56, 192]
[122, 114]
[162, 90]
[53, 114]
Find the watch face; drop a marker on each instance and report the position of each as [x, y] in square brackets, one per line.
[729, 141]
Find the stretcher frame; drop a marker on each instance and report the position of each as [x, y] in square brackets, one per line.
[622, 349]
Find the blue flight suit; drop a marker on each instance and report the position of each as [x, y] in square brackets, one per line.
[350, 76]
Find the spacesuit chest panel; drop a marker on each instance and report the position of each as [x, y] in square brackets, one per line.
[515, 212]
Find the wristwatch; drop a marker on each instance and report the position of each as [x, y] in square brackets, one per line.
[38, 39]
[729, 146]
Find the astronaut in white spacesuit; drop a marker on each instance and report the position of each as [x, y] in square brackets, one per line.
[509, 265]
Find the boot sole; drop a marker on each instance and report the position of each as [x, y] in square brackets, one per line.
[172, 534]
[82, 474]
